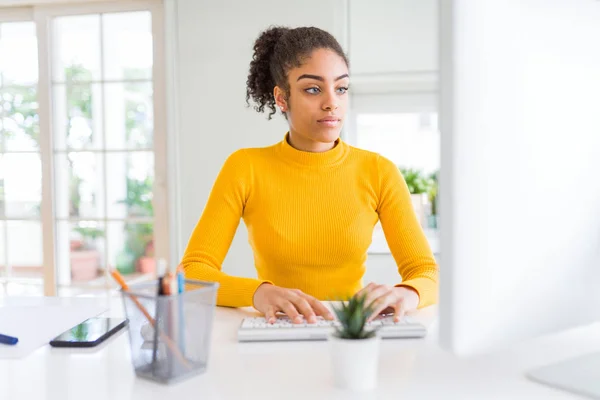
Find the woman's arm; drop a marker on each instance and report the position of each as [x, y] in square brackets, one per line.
[404, 235]
[211, 239]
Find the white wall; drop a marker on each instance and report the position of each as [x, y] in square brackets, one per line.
[393, 36]
[214, 50]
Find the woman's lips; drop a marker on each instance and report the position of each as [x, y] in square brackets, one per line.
[329, 122]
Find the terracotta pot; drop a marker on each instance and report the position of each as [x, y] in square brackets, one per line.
[84, 265]
[146, 265]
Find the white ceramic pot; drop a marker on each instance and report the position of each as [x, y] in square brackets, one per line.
[355, 362]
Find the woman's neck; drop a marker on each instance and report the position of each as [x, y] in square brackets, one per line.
[299, 143]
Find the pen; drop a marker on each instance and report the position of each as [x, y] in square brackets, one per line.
[5, 339]
[166, 283]
[180, 288]
[180, 282]
[180, 278]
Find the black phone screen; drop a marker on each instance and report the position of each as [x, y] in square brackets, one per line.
[90, 332]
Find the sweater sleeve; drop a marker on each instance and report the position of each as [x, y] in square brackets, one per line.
[214, 232]
[404, 234]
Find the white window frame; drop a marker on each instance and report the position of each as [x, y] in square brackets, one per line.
[41, 13]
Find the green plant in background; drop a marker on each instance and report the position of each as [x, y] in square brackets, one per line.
[79, 95]
[420, 183]
[138, 235]
[138, 201]
[432, 193]
[88, 235]
[138, 109]
[79, 105]
[18, 105]
[416, 181]
[138, 128]
[353, 316]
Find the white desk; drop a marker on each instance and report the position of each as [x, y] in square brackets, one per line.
[409, 369]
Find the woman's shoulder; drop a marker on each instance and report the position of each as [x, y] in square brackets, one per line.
[249, 153]
[369, 156]
[253, 155]
[246, 159]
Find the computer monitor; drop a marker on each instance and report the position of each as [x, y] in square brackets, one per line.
[520, 170]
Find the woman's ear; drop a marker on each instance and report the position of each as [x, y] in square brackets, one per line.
[280, 100]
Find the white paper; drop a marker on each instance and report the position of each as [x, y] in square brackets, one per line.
[36, 321]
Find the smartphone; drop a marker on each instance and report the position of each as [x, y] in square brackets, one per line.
[89, 333]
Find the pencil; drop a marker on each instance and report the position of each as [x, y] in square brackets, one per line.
[119, 278]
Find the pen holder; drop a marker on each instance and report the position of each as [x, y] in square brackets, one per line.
[170, 335]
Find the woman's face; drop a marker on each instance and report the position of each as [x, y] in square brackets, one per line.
[318, 100]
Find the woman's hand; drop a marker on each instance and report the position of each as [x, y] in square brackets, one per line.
[270, 299]
[387, 299]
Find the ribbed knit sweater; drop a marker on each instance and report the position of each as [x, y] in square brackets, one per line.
[310, 219]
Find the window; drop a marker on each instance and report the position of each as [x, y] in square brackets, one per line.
[404, 129]
[409, 139]
[89, 115]
[20, 158]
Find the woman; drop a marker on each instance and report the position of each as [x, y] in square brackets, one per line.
[311, 201]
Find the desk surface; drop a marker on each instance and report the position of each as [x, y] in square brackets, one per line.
[409, 368]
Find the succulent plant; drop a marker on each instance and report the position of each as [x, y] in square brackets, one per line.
[353, 315]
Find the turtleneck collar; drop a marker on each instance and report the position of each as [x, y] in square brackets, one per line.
[311, 159]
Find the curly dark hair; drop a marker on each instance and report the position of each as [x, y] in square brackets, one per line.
[276, 51]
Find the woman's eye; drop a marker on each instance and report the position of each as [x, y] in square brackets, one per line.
[312, 90]
[342, 90]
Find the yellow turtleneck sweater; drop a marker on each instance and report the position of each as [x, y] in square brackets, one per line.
[310, 219]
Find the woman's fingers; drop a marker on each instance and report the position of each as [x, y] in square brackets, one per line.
[381, 304]
[290, 310]
[400, 310]
[366, 290]
[305, 309]
[318, 307]
[375, 293]
[270, 315]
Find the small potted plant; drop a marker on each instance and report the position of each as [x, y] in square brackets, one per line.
[418, 186]
[84, 257]
[354, 346]
[433, 200]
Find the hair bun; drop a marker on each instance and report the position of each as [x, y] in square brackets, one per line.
[260, 81]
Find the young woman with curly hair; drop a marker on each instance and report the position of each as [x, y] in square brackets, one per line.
[311, 201]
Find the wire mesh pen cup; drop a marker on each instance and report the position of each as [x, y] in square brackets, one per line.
[170, 335]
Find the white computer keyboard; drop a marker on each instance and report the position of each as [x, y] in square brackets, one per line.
[256, 329]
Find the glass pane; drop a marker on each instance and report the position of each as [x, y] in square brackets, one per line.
[129, 116]
[410, 140]
[20, 121]
[21, 176]
[18, 53]
[127, 45]
[25, 252]
[129, 189]
[79, 185]
[76, 48]
[131, 247]
[2, 249]
[77, 116]
[80, 251]
[1, 130]
[2, 187]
